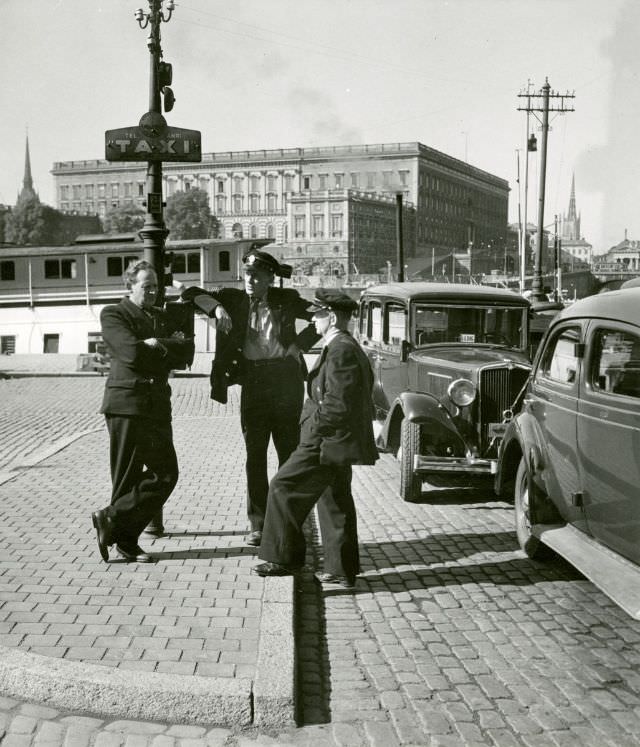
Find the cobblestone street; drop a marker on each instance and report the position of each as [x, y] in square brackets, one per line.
[452, 637]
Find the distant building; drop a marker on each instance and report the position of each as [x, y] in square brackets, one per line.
[571, 239]
[258, 193]
[622, 257]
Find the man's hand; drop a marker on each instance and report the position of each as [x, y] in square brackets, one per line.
[294, 351]
[154, 343]
[223, 320]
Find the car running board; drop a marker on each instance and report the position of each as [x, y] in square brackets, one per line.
[617, 577]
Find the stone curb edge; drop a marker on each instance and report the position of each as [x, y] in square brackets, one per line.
[268, 701]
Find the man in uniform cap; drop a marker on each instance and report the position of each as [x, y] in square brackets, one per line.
[257, 346]
[336, 432]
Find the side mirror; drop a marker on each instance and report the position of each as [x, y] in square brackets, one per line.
[405, 349]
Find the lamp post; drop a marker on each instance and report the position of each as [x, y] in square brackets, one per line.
[154, 232]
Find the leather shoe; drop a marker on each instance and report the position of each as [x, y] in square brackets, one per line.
[253, 539]
[103, 526]
[273, 569]
[134, 554]
[345, 582]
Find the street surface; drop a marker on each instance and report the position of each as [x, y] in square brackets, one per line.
[452, 636]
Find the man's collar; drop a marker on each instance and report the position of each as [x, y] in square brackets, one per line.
[331, 335]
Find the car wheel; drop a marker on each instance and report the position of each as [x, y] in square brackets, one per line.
[410, 483]
[524, 510]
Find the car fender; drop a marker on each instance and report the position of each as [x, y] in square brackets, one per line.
[521, 439]
[425, 408]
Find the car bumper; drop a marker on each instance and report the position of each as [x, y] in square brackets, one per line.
[469, 465]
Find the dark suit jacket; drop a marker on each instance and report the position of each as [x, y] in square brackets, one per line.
[339, 412]
[286, 306]
[137, 382]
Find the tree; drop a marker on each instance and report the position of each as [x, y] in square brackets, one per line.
[188, 215]
[123, 219]
[31, 223]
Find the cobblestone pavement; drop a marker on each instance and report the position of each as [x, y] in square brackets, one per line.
[452, 636]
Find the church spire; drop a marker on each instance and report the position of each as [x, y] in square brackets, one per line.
[572, 200]
[27, 182]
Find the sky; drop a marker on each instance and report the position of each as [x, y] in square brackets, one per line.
[258, 74]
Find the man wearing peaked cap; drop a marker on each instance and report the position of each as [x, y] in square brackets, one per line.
[258, 346]
[336, 432]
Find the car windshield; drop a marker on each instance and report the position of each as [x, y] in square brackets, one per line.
[468, 324]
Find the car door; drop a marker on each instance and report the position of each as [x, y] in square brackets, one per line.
[553, 402]
[392, 371]
[609, 437]
[370, 337]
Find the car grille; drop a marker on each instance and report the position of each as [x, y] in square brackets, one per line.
[498, 390]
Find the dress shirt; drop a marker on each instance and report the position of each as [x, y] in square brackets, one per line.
[261, 342]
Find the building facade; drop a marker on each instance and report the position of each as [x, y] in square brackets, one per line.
[572, 241]
[257, 194]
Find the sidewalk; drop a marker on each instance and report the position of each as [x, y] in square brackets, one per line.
[192, 639]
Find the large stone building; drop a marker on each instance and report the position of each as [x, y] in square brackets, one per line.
[312, 200]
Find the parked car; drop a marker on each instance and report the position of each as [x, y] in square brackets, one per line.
[448, 361]
[571, 457]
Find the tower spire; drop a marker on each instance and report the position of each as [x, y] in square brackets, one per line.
[27, 181]
[572, 199]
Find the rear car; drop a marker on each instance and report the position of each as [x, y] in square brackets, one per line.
[570, 458]
[448, 361]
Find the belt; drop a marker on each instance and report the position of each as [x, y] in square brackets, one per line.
[265, 362]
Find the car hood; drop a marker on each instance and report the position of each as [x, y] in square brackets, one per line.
[465, 355]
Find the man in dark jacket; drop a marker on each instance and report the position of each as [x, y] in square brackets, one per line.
[336, 432]
[137, 408]
[257, 346]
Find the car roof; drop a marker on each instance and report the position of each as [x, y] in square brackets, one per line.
[446, 292]
[619, 305]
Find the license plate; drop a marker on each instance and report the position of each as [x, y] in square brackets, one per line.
[497, 429]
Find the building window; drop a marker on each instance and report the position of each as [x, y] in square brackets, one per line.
[140, 189]
[386, 178]
[339, 180]
[7, 344]
[355, 180]
[336, 225]
[254, 203]
[115, 188]
[220, 184]
[76, 191]
[128, 189]
[51, 343]
[299, 226]
[64, 192]
[224, 261]
[253, 231]
[271, 234]
[88, 191]
[117, 265]
[254, 183]
[220, 203]
[271, 183]
[306, 182]
[237, 204]
[187, 186]
[404, 177]
[322, 181]
[318, 226]
[237, 231]
[288, 183]
[60, 268]
[237, 183]
[203, 183]
[371, 179]
[102, 190]
[7, 270]
[94, 342]
[271, 203]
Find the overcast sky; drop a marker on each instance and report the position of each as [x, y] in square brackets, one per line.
[293, 73]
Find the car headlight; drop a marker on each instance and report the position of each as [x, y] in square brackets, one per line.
[462, 392]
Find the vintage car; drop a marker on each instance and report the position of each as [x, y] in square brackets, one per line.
[448, 360]
[571, 456]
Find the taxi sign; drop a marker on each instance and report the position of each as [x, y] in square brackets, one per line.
[140, 144]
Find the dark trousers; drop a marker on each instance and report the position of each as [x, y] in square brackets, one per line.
[144, 471]
[270, 406]
[299, 485]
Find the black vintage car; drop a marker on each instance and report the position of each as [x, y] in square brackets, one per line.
[449, 361]
[570, 458]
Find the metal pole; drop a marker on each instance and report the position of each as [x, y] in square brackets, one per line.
[525, 240]
[153, 232]
[536, 285]
[399, 243]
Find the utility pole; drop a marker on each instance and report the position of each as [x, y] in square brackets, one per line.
[533, 106]
[399, 238]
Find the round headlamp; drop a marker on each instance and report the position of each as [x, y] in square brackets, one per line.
[462, 392]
